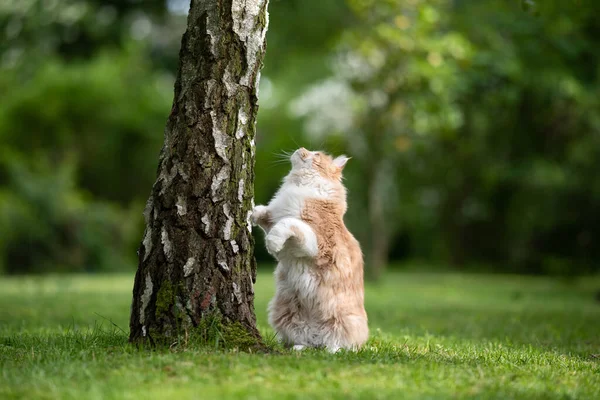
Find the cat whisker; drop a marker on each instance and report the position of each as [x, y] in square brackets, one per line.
[283, 156]
[280, 162]
[294, 140]
[283, 153]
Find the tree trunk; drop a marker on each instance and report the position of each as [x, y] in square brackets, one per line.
[196, 261]
[379, 240]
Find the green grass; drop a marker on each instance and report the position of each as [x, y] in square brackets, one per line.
[432, 336]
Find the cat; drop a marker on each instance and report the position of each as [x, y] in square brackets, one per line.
[319, 299]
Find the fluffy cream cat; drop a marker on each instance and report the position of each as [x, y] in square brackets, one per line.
[319, 299]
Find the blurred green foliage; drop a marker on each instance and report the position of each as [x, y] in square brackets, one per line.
[474, 127]
[47, 224]
[105, 113]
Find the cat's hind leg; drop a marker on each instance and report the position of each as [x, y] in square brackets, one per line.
[284, 311]
[349, 332]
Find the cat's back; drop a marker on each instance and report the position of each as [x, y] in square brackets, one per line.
[339, 263]
[337, 246]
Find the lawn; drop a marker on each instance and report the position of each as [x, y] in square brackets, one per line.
[432, 336]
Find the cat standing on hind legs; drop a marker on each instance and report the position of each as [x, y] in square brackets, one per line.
[319, 299]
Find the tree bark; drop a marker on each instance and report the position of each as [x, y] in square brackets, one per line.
[196, 260]
[378, 225]
[379, 231]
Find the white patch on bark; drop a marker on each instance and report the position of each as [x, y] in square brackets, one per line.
[182, 173]
[223, 265]
[245, 16]
[146, 298]
[144, 330]
[234, 246]
[167, 246]
[222, 141]
[210, 88]
[252, 147]
[241, 125]
[211, 34]
[181, 206]
[237, 292]
[188, 268]
[230, 84]
[257, 86]
[148, 209]
[228, 223]
[249, 221]
[242, 116]
[241, 189]
[208, 8]
[218, 180]
[206, 223]
[249, 216]
[167, 177]
[147, 242]
[221, 257]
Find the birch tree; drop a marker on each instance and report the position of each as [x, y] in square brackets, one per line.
[196, 263]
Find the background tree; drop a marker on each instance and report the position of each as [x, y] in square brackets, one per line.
[196, 261]
[468, 134]
[391, 96]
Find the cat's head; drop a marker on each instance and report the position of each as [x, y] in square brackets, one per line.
[318, 170]
[318, 164]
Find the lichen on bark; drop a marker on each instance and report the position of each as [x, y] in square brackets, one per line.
[197, 252]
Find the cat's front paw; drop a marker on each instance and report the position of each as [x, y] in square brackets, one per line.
[259, 213]
[274, 243]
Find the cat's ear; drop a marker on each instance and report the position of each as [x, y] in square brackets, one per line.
[340, 161]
